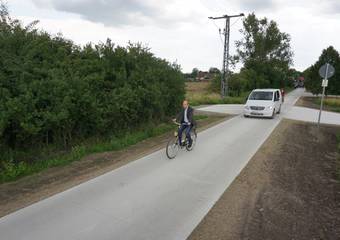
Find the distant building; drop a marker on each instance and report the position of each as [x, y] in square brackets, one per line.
[204, 76]
[201, 76]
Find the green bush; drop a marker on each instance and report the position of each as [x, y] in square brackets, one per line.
[56, 93]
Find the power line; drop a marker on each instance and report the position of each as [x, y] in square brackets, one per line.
[219, 32]
[225, 66]
[235, 22]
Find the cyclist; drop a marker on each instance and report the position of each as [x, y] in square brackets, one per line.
[283, 94]
[186, 119]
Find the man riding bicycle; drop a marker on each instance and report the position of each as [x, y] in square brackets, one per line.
[186, 119]
[186, 123]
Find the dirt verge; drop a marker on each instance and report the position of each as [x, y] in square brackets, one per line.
[30, 189]
[287, 191]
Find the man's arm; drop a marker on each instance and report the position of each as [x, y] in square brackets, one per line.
[179, 117]
[191, 116]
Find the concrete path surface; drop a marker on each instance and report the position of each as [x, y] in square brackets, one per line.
[151, 198]
[224, 108]
[311, 115]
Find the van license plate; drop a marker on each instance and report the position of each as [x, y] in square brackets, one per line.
[256, 113]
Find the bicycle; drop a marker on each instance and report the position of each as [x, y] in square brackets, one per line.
[173, 145]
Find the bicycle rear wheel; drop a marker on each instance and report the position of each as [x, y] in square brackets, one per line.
[172, 148]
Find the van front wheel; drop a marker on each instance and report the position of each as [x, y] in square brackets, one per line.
[273, 114]
[278, 112]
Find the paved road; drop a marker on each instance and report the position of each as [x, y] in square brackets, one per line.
[311, 115]
[224, 108]
[152, 198]
[295, 113]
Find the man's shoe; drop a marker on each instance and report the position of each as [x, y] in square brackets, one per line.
[190, 145]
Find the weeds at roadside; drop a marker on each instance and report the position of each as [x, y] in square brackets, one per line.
[213, 98]
[11, 170]
[200, 117]
[333, 104]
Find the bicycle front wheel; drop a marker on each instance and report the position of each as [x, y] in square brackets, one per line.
[193, 135]
[172, 148]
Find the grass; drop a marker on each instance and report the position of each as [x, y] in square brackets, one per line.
[196, 99]
[199, 93]
[330, 103]
[12, 171]
[200, 117]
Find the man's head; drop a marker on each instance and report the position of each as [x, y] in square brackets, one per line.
[185, 104]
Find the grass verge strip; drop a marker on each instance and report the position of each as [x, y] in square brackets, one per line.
[12, 171]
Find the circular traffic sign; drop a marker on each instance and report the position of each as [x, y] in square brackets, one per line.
[326, 71]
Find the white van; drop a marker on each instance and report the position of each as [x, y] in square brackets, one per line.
[263, 103]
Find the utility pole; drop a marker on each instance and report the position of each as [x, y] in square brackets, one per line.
[225, 66]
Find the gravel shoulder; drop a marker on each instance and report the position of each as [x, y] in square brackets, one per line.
[288, 190]
[31, 189]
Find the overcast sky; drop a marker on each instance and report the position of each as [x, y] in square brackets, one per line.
[179, 30]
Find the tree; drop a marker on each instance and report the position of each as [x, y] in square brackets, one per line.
[265, 50]
[194, 73]
[263, 41]
[214, 70]
[56, 92]
[313, 80]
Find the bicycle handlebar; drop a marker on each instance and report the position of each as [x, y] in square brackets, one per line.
[175, 122]
[180, 124]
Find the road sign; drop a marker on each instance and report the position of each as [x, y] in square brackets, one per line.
[326, 71]
[324, 83]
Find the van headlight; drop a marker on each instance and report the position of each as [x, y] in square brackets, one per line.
[246, 107]
[270, 107]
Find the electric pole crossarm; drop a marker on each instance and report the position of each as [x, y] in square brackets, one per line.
[227, 16]
[238, 15]
[214, 18]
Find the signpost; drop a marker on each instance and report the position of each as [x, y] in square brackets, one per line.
[326, 71]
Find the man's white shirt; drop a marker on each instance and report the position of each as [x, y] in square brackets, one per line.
[186, 116]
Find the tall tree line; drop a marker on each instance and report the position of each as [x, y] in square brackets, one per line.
[54, 91]
[312, 78]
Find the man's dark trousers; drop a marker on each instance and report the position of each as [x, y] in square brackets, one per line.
[186, 128]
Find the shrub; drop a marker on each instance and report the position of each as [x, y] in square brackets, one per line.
[54, 92]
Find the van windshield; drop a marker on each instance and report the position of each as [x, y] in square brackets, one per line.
[258, 95]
